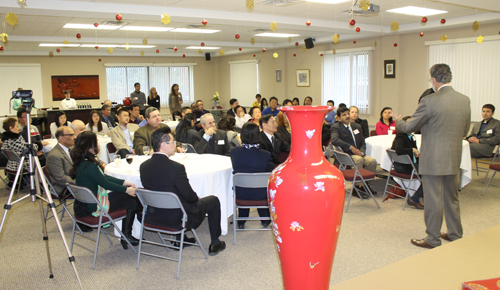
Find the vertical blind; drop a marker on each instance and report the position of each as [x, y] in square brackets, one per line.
[345, 79]
[22, 75]
[120, 80]
[475, 71]
[244, 81]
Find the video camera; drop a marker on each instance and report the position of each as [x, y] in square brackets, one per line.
[26, 97]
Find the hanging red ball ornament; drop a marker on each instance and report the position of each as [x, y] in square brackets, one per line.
[424, 19]
[321, 55]
[443, 21]
[183, 55]
[96, 47]
[263, 50]
[157, 51]
[294, 55]
[1, 48]
[119, 17]
[100, 60]
[237, 36]
[175, 48]
[354, 42]
[78, 35]
[421, 34]
[204, 22]
[395, 45]
[203, 44]
[240, 49]
[254, 55]
[308, 23]
[96, 24]
[296, 44]
[58, 50]
[358, 29]
[352, 22]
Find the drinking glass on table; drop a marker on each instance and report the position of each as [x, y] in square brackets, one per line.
[184, 147]
[129, 158]
[145, 150]
[117, 159]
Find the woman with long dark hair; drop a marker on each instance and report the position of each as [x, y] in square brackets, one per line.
[61, 120]
[263, 104]
[88, 172]
[185, 132]
[95, 124]
[175, 100]
[386, 123]
[295, 102]
[228, 124]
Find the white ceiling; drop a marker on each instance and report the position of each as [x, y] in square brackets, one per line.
[42, 21]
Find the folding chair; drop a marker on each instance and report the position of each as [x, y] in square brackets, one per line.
[164, 200]
[354, 175]
[484, 160]
[62, 198]
[111, 151]
[495, 168]
[84, 195]
[190, 148]
[12, 156]
[403, 159]
[249, 180]
[48, 136]
[373, 133]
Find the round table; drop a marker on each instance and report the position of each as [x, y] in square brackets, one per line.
[103, 153]
[208, 174]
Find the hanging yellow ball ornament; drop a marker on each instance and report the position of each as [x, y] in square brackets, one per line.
[290, 39]
[275, 55]
[252, 41]
[11, 18]
[165, 19]
[395, 26]
[51, 54]
[480, 39]
[364, 4]
[126, 46]
[145, 41]
[142, 52]
[475, 26]
[274, 26]
[250, 5]
[110, 50]
[444, 38]
[336, 39]
[334, 52]
[221, 52]
[65, 41]
[4, 37]
[200, 51]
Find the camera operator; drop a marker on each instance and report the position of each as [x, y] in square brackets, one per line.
[36, 138]
[18, 103]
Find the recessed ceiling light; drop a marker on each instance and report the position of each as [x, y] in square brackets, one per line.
[203, 47]
[90, 26]
[417, 11]
[59, 44]
[272, 34]
[327, 1]
[100, 45]
[138, 46]
[145, 28]
[194, 30]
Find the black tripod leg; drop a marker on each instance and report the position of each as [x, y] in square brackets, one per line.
[44, 228]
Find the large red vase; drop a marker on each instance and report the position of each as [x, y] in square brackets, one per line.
[306, 197]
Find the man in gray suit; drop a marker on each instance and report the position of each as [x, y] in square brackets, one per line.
[444, 118]
[485, 135]
[59, 161]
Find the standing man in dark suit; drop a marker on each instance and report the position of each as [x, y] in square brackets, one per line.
[271, 140]
[174, 179]
[444, 118]
[209, 139]
[139, 98]
[349, 136]
[485, 135]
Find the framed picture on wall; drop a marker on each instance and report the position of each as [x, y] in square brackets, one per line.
[303, 78]
[278, 75]
[390, 69]
[81, 87]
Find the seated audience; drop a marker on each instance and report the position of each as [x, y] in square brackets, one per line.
[87, 171]
[258, 98]
[308, 101]
[142, 137]
[427, 92]
[255, 114]
[485, 135]
[233, 103]
[228, 124]
[241, 117]
[284, 128]
[36, 138]
[115, 116]
[295, 102]
[177, 116]
[209, 139]
[330, 116]
[287, 102]
[123, 134]
[250, 159]
[185, 110]
[96, 125]
[407, 144]
[272, 109]
[263, 104]
[271, 140]
[386, 125]
[348, 136]
[185, 132]
[60, 121]
[353, 111]
[106, 116]
[135, 116]
[78, 126]
[200, 111]
[174, 179]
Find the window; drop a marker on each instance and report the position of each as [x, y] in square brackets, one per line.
[121, 79]
[346, 79]
[474, 68]
[244, 79]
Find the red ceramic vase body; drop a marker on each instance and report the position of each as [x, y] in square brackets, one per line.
[127, 101]
[306, 198]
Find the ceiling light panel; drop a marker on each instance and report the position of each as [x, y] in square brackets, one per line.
[194, 30]
[90, 26]
[328, 1]
[272, 34]
[138, 46]
[145, 28]
[417, 11]
[99, 45]
[203, 47]
[59, 45]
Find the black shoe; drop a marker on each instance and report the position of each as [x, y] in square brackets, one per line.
[266, 224]
[241, 226]
[184, 245]
[127, 230]
[373, 191]
[361, 193]
[214, 250]
[84, 228]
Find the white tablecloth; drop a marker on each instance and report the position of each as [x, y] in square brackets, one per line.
[171, 124]
[103, 153]
[376, 147]
[208, 175]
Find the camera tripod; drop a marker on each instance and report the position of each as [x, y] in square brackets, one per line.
[36, 175]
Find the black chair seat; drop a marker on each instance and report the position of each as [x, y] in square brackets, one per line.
[243, 202]
[402, 175]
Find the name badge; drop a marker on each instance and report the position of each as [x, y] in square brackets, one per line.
[197, 120]
[136, 98]
[220, 142]
[157, 101]
[356, 132]
[393, 128]
[490, 131]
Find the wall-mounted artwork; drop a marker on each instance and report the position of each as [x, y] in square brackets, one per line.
[80, 87]
[390, 69]
[302, 77]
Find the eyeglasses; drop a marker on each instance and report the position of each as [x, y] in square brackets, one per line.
[175, 142]
[68, 135]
